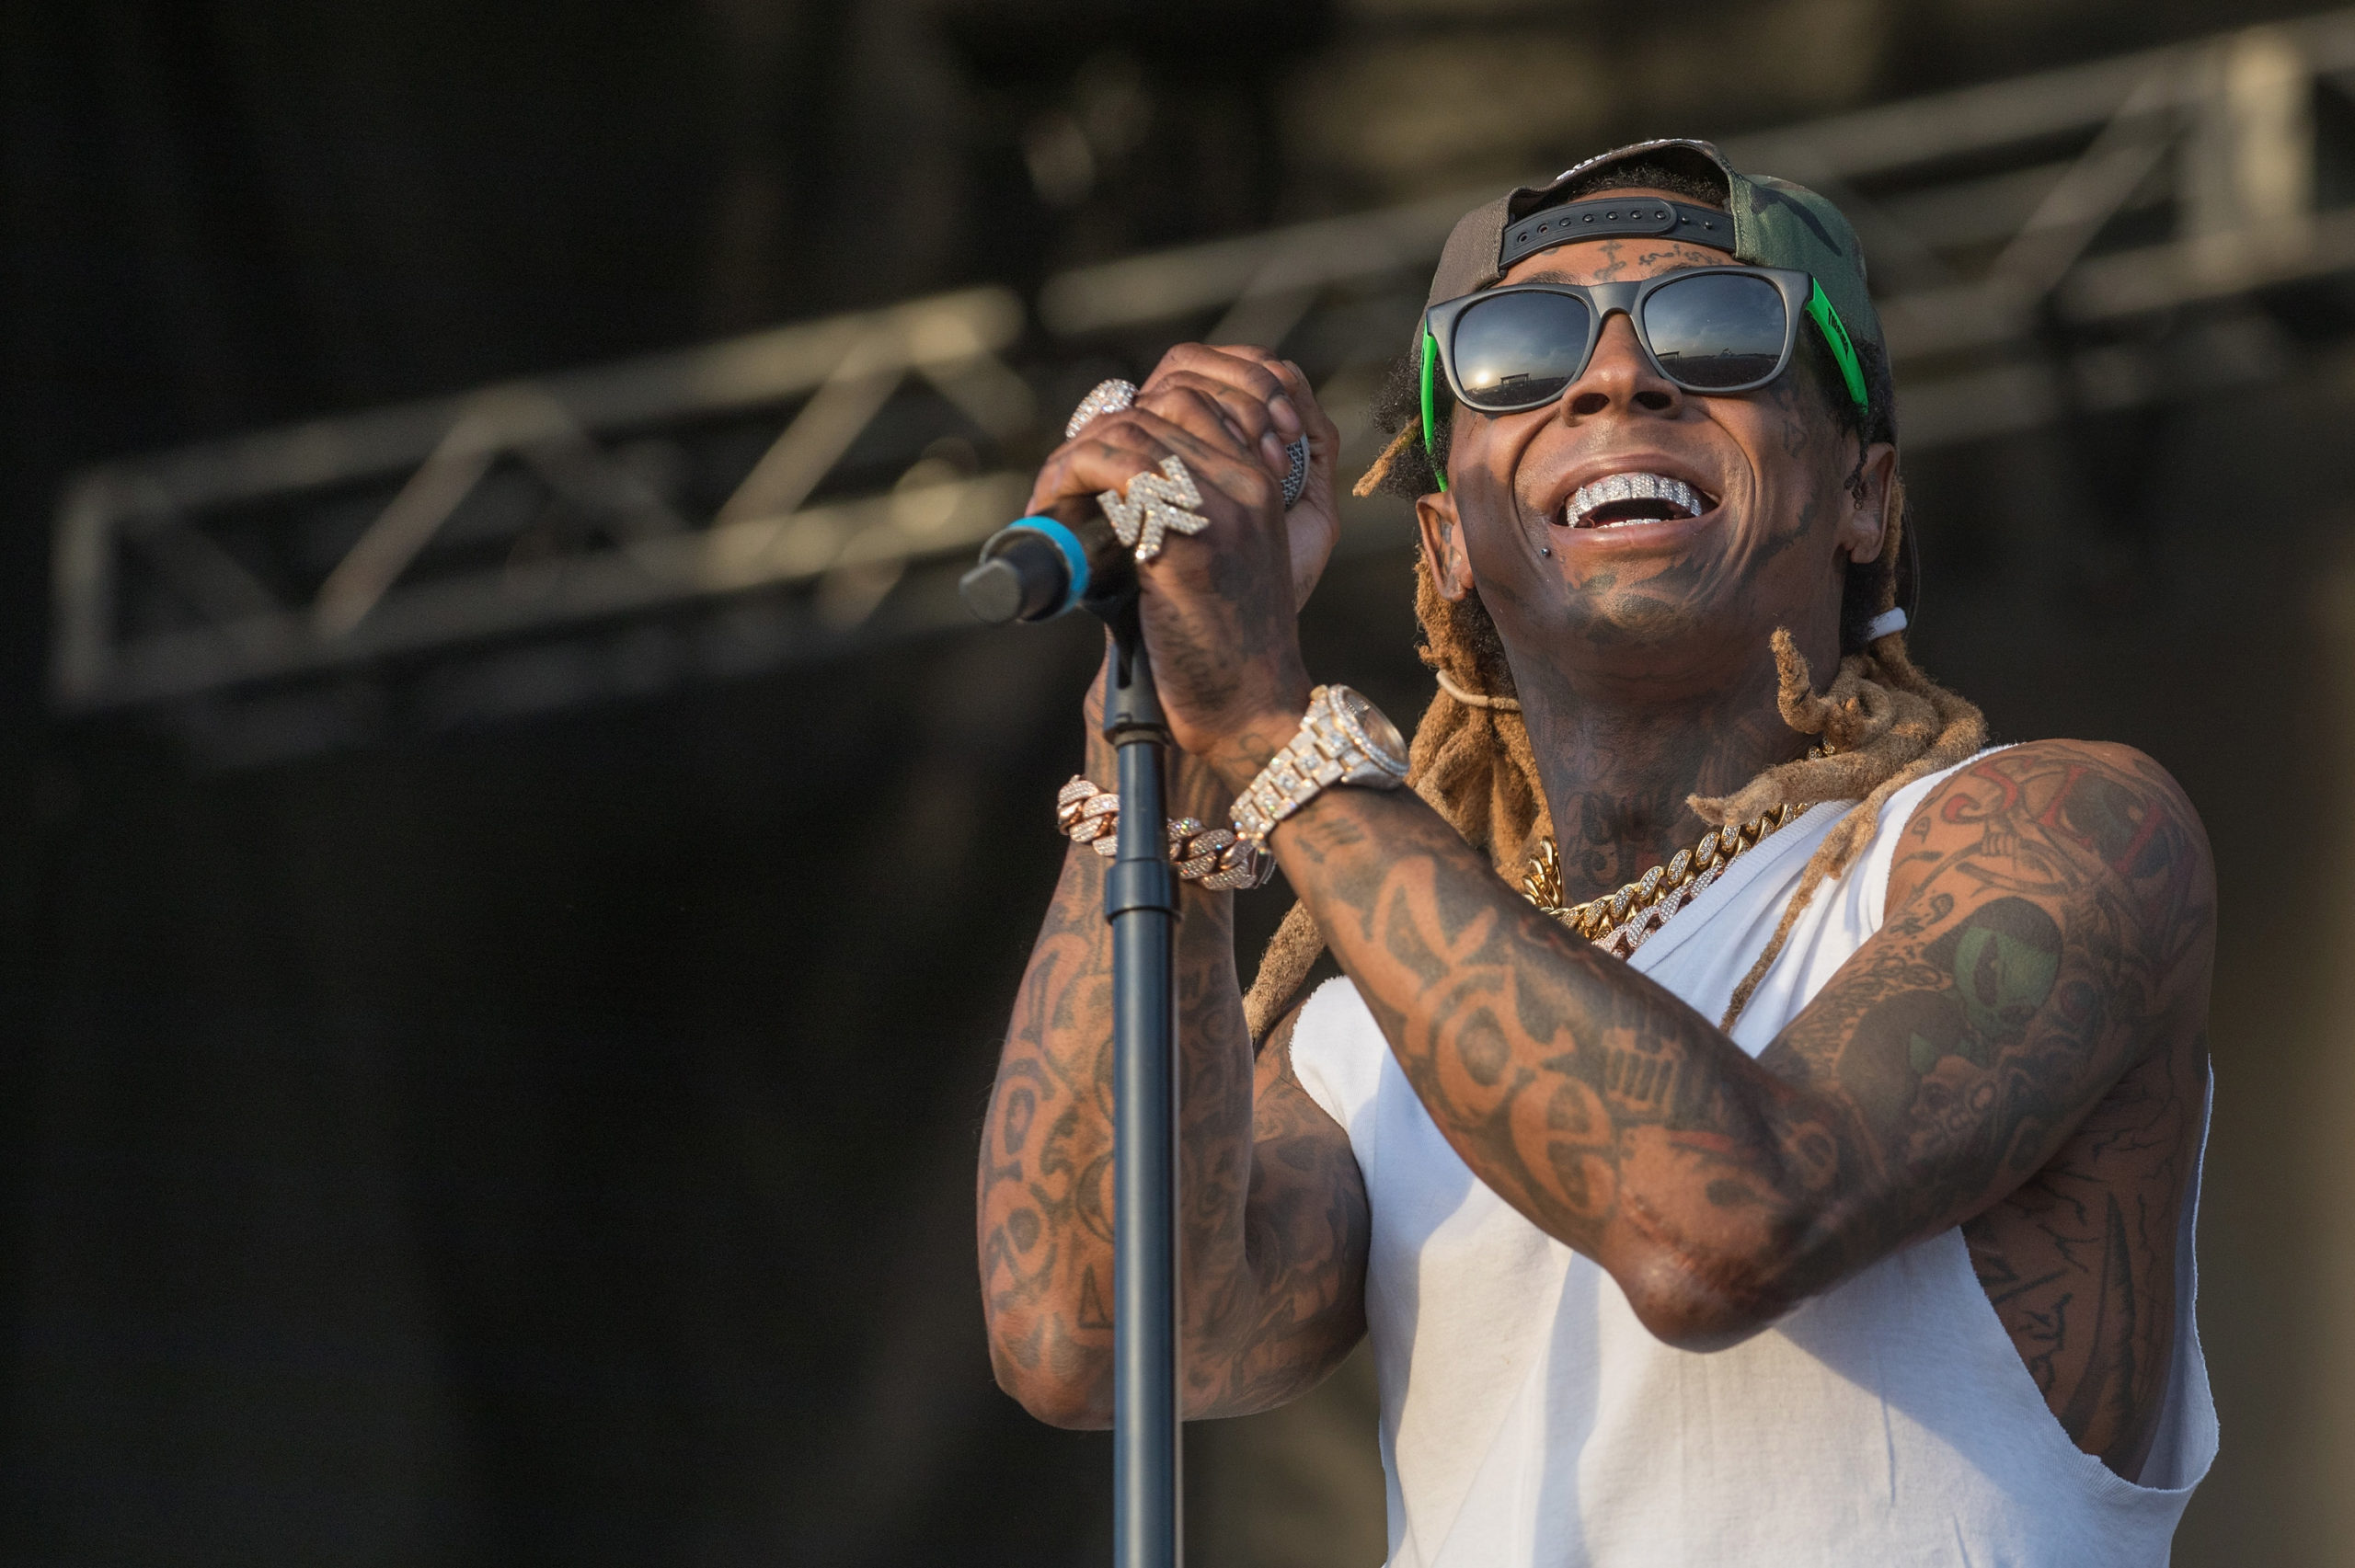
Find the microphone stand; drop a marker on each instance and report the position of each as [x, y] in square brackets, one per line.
[1029, 571]
[1141, 902]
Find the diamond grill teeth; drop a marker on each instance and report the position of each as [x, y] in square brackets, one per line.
[1632, 488]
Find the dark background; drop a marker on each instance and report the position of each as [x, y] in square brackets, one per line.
[552, 1142]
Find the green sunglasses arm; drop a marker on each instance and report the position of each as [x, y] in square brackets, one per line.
[1835, 334]
[1430, 358]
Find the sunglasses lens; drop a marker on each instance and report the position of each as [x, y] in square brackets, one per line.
[1517, 351]
[1720, 329]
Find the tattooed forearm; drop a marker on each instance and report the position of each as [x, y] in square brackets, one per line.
[2040, 981]
[1271, 1209]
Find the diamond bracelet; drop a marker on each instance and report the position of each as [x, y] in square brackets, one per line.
[1211, 856]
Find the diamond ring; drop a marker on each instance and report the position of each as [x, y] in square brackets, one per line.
[1155, 506]
[1112, 396]
[1105, 397]
[1296, 479]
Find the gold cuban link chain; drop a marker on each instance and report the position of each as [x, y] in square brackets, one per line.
[1618, 923]
[1211, 856]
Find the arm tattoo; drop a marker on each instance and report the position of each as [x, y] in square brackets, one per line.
[1271, 1209]
[2020, 1040]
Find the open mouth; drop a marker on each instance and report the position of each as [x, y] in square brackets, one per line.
[1624, 499]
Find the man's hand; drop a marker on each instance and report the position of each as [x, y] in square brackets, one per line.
[1220, 606]
[1249, 384]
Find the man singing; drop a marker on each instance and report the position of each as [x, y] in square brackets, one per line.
[1760, 1124]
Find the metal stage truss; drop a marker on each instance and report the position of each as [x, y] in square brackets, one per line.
[2086, 239]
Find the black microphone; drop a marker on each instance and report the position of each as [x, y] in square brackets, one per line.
[1036, 567]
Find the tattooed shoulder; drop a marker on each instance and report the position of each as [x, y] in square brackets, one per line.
[2054, 904]
[2062, 820]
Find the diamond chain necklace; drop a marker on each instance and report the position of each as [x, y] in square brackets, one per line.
[1619, 923]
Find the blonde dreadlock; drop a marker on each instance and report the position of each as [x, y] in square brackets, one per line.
[1884, 725]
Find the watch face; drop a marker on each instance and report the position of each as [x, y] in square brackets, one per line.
[1383, 741]
[1389, 747]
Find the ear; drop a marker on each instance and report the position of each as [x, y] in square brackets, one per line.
[1444, 546]
[1870, 519]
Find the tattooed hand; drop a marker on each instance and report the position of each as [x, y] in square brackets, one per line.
[1220, 607]
[1264, 403]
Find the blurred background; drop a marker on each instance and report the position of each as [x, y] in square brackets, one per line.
[517, 866]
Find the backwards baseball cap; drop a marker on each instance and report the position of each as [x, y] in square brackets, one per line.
[1765, 223]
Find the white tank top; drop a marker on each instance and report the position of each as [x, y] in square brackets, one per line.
[1529, 1419]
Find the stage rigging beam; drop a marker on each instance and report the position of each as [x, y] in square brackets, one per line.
[2044, 246]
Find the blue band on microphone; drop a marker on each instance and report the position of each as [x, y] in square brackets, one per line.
[1074, 553]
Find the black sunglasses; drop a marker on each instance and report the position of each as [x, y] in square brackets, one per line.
[1714, 330]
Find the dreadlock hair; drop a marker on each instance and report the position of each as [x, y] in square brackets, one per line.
[1883, 724]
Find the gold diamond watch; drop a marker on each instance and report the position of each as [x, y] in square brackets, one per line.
[1344, 739]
